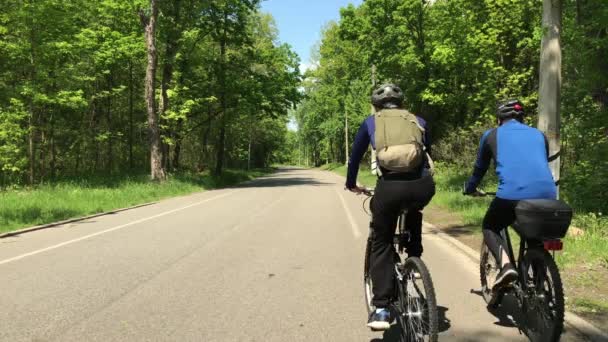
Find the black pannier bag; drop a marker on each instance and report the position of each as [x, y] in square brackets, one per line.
[542, 219]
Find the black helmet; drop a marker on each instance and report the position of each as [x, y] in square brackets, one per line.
[510, 109]
[387, 94]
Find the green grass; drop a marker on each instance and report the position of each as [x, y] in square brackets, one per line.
[70, 198]
[365, 177]
[589, 306]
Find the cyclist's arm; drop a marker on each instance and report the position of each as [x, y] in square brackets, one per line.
[426, 138]
[360, 145]
[484, 157]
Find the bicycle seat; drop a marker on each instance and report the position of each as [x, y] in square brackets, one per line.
[410, 206]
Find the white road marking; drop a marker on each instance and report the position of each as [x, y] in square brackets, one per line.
[353, 224]
[23, 256]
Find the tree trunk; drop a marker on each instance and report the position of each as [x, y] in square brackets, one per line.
[157, 172]
[31, 149]
[345, 138]
[176, 153]
[222, 139]
[550, 81]
[32, 118]
[205, 141]
[110, 147]
[220, 147]
[42, 147]
[130, 115]
[53, 149]
[249, 153]
[178, 144]
[171, 48]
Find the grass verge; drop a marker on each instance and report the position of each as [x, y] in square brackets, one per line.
[70, 198]
[365, 177]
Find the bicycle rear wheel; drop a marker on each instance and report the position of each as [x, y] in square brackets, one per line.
[544, 296]
[416, 307]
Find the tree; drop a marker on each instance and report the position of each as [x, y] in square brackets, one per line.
[149, 23]
[549, 100]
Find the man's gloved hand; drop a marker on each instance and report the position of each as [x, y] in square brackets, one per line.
[471, 190]
[355, 189]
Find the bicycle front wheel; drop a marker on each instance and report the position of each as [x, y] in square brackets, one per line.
[417, 307]
[367, 279]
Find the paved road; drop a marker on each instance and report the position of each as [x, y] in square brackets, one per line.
[278, 259]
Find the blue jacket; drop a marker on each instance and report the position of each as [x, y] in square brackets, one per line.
[521, 154]
[365, 137]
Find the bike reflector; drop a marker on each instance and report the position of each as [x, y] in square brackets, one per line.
[554, 245]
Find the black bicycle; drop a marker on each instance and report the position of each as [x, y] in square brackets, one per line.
[414, 304]
[540, 224]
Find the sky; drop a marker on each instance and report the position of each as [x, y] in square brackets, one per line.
[300, 21]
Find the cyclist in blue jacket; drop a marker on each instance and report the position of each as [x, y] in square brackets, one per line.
[393, 190]
[520, 153]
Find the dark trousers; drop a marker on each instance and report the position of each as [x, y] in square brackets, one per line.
[499, 216]
[390, 198]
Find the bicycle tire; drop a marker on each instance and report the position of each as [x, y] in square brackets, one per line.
[541, 259]
[428, 328]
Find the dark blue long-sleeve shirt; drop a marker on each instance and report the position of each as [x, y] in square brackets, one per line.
[521, 156]
[365, 137]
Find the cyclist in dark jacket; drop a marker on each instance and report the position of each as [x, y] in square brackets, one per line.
[393, 191]
[521, 154]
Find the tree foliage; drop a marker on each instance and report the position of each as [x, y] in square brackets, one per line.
[72, 86]
[455, 59]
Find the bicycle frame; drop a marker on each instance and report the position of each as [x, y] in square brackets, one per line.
[521, 286]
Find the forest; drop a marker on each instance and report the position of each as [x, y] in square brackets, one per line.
[110, 87]
[455, 59]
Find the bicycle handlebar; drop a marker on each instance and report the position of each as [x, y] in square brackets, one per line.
[368, 191]
[477, 193]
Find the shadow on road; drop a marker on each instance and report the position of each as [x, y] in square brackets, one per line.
[460, 230]
[283, 182]
[510, 315]
[444, 321]
[283, 178]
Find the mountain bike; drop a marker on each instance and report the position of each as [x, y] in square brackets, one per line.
[414, 305]
[540, 224]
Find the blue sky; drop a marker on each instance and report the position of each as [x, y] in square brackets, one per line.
[300, 21]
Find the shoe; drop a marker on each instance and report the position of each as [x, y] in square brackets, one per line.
[505, 277]
[380, 320]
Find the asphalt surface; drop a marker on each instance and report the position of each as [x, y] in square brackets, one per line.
[277, 259]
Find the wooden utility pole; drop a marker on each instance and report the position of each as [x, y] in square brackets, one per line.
[551, 81]
[149, 25]
[346, 136]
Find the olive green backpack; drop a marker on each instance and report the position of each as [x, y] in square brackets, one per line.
[399, 140]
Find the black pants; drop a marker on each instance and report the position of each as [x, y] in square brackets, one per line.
[389, 199]
[499, 216]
